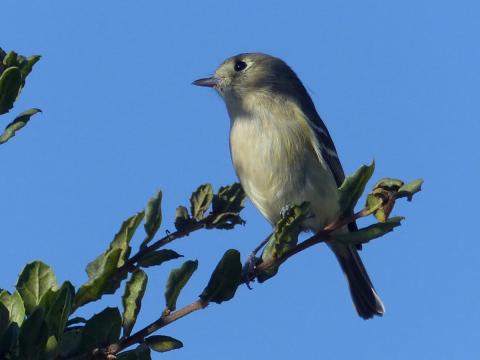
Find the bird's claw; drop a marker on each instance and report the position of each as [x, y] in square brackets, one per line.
[285, 211]
[248, 271]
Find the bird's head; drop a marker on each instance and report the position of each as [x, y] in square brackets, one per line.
[251, 74]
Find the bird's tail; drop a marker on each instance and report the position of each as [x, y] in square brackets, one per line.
[364, 296]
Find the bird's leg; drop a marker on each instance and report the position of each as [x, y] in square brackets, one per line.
[248, 272]
[252, 261]
[285, 210]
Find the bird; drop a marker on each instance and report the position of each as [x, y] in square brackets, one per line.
[283, 155]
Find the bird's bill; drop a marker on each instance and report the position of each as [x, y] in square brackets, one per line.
[208, 82]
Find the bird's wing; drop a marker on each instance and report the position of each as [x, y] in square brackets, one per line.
[323, 142]
[326, 147]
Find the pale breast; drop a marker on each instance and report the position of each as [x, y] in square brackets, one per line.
[277, 166]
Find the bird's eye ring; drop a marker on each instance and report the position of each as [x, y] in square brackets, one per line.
[240, 65]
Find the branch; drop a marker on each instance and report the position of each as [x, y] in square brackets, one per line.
[319, 237]
[164, 320]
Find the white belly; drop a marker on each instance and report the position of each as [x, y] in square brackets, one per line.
[277, 167]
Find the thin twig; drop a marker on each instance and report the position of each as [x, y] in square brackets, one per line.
[321, 236]
[168, 318]
[164, 320]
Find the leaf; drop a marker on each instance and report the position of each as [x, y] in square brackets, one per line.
[101, 270]
[27, 65]
[200, 201]
[229, 199]
[225, 279]
[225, 221]
[33, 335]
[34, 282]
[182, 218]
[284, 237]
[132, 300]
[162, 343]
[10, 59]
[51, 348]
[102, 281]
[101, 329]
[10, 84]
[177, 280]
[4, 319]
[8, 341]
[353, 187]
[410, 189]
[76, 320]
[158, 257]
[121, 241]
[5, 337]
[142, 352]
[226, 206]
[124, 236]
[381, 200]
[19, 122]
[368, 233]
[58, 305]
[70, 342]
[15, 306]
[153, 215]
[286, 231]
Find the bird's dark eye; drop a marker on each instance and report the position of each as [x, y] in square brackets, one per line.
[240, 65]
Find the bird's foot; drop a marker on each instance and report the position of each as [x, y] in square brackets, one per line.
[248, 271]
[285, 211]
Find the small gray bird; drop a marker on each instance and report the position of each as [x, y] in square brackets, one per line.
[283, 154]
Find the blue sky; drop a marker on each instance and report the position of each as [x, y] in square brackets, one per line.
[397, 82]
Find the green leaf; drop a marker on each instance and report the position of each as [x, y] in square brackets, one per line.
[101, 270]
[153, 215]
[158, 257]
[381, 200]
[34, 282]
[229, 199]
[200, 201]
[19, 122]
[410, 189]
[225, 221]
[163, 343]
[27, 65]
[10, 84]
[177, 280]
[8, 342]
[225, 279]
[284, 237]
[102, 329]
[124, 236]
[121, 241]
[142, 352]
[226, 206]
[70, 342]
[15, 306]
[51, 348]
[182, 218]
[368, 233]
[58, 305]
[286, 231]
[76, 320]
[389, 184]
[10, 59]
[102, 281]
[4, 319]
[132, 300]
[353, 187]
[33, 335]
